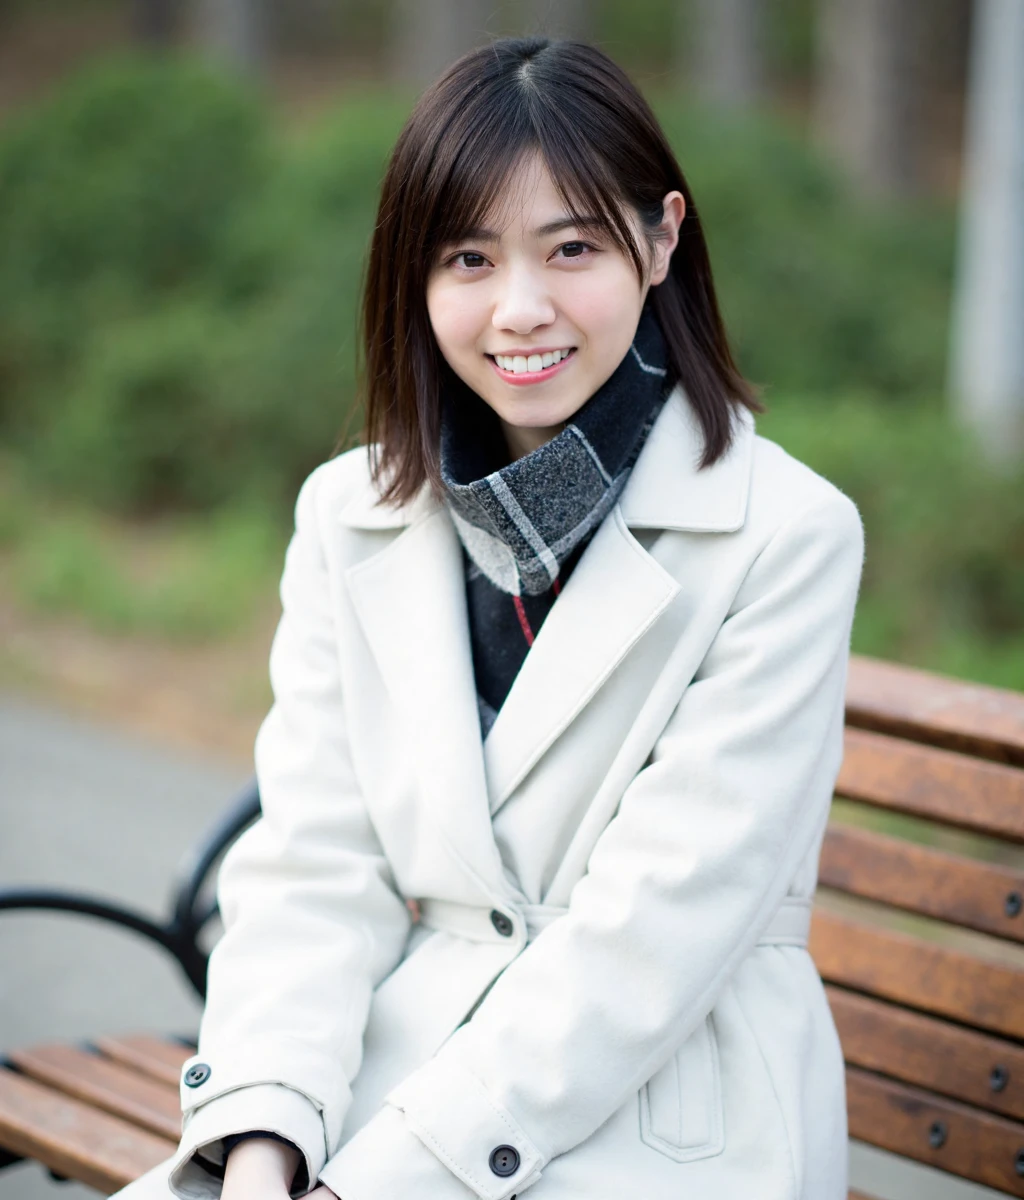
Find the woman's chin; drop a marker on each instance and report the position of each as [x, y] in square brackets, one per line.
[537, 412]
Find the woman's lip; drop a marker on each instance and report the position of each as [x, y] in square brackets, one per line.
[522, 378]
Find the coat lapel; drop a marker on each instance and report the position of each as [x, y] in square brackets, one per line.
[617, 591]
[411, 603]
[614, 595]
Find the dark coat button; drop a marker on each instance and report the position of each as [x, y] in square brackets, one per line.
[197, 1074]
[504, 1160]
[502, 924]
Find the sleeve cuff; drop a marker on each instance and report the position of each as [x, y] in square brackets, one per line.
[385, 1159]
[438, 1135]
[198, 1166]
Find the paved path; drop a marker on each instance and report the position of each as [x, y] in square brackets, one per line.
[85, 807]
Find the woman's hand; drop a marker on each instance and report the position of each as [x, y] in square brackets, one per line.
[261, 1169]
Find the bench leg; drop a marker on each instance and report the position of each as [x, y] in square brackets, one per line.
[7, 1159]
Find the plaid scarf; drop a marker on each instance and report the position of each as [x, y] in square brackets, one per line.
[524, 525]
[520, 522]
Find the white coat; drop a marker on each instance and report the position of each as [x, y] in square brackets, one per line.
[616, 883]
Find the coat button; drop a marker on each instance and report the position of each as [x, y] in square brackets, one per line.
[504, 1160]
[503, 925]
[197, 1074]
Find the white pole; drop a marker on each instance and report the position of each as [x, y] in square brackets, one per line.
[987, 348]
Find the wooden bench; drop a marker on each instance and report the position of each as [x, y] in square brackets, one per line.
[918, 933]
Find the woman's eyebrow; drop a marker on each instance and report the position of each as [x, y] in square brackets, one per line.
[567, 223]
[477, 233]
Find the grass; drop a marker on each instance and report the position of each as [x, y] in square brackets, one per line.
[184, 579]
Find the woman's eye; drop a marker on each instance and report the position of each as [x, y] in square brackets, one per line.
[574, 249]
[469, 259]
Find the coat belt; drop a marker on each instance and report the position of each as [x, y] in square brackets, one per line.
[789, 926]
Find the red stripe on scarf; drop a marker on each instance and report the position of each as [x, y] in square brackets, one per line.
[523, 622]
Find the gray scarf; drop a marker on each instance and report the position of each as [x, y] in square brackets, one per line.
[519, 522]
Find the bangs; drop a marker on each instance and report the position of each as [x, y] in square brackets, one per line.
[476, 163]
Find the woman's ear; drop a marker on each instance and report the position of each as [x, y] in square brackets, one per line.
[666, 236]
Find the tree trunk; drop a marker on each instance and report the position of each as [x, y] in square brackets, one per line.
[429, 36]
[559, 18]
[726, 52]
[155, 22]
[235, 31]
[987, 350]
[869, 97]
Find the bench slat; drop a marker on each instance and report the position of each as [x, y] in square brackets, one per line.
[892, 698]
[152, 1056]
[929, 1053]
[940, 785]
[73, 1139]
[106, 1085]
[922, 880]
[921, 974]
[900, 1118]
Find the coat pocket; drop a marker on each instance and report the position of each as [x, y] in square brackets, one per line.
[681, 1106]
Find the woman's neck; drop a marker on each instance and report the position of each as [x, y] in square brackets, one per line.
[523, 439]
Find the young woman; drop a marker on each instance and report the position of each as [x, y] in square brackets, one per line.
[558, 712]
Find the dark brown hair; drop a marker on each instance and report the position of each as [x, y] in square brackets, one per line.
[602, 146]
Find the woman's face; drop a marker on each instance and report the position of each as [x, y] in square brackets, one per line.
[535, 312]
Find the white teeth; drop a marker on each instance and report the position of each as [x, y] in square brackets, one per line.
[519, 363]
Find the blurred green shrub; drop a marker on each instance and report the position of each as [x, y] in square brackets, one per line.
[181, 372]
[819, 294]
[137, 427]
[179, 279]
[132, 169]
[119, 189]
[943, 582]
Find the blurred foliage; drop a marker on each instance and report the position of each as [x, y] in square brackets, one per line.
[818, 293]
[181, 577]
[943, 582]
[179, 281]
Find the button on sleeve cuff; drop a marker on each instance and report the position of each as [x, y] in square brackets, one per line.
[270, 1106]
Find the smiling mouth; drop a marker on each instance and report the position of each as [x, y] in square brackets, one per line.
[532, 364]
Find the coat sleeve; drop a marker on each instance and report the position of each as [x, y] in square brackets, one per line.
[679, 888]
[312, 920]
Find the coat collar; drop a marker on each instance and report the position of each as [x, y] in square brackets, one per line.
[409, 598]
[665, 489]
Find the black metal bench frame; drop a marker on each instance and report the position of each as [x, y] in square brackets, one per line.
[192, 907]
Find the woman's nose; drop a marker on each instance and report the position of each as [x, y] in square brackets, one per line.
[523, 304]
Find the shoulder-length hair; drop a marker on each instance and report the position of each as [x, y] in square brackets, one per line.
[603, 146]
